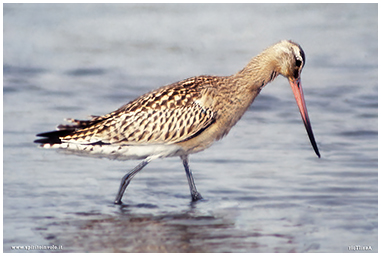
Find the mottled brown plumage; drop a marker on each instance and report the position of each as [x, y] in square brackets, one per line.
[167, 115]
[182, 118]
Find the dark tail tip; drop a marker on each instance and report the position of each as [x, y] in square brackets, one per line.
[53, 137]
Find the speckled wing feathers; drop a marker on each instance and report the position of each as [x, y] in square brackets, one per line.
[168, 115]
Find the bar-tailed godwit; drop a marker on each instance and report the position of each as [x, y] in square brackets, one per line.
[182, 118]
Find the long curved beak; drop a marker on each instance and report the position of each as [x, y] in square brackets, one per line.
[296, 86]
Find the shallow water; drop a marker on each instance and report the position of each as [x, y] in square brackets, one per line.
[264, 188]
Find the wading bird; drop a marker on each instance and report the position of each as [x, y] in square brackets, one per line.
[182, 118]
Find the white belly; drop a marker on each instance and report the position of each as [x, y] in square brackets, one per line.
[117, 152]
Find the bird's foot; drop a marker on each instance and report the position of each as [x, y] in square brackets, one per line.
[118, 202]
[196, 196]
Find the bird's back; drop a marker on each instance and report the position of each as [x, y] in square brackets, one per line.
[162, 118]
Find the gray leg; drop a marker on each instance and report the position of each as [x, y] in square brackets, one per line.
[126, 180]
[194, 193]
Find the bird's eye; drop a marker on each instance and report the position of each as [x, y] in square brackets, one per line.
[298, 63]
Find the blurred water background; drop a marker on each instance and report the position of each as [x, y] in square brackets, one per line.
[265, 189]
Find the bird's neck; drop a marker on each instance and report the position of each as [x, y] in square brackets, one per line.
[248, 83]
[261, 70]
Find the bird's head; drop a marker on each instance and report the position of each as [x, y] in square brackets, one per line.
[290, 60]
